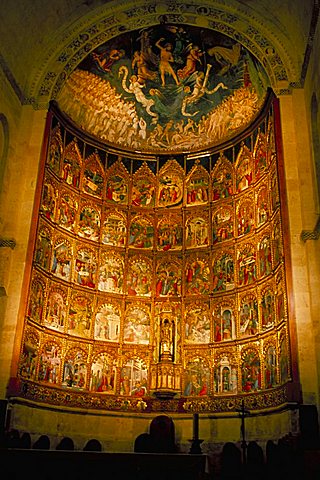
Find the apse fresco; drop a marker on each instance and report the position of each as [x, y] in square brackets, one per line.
[158, 277]
[167, 88]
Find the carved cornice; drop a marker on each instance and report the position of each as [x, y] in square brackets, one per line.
[72, 400]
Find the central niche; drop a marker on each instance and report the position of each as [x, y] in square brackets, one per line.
[157, 275]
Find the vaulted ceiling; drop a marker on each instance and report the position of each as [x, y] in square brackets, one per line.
[43, 42]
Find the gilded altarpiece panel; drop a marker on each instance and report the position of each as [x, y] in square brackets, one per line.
[158, 275]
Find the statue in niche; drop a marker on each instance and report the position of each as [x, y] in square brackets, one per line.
[167, 339]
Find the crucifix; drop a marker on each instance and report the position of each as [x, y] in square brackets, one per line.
[196, 442]
[243, 413]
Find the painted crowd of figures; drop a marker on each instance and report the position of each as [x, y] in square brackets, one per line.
[169, 87]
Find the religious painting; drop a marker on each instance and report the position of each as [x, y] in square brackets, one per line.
[61, 259]
[29, 354]
[197, 230]
[274, 187]
[246, 258]
[107, 323]
[222, 179]
[225, 374]
[170, 188]
[270, 136]
[248, 315]
[134, 377]
[197, 378]
[267, 307]
[223, 270]
[280, 298]
[143, 192]
[49, 363]
[43, 248]
[49, 199]
[262, 205]
[75, 369]
[168, 278]
[117, 184]
[261, 155]
[197, 276]
[103, 374]
[111, 273]
[264, 256]
[80, 315]
[36, 299]
[139, 276]
[55, 150]
[222, 223]
[56, 313]
[277, 242]
[67, 210]
[250, 370]
[175, 88]
[270, 366]
[197, 324]
[85, 267]
[224, 322]
[137, 325]
[283, 358]
[89, 221]
[197, 186]
[141, 232]
[244, 169]
[93, 176]
[71, 166]
[114, 229]
[169, 232]
[245, 215]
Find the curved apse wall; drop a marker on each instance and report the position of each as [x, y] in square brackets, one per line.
[158, 282]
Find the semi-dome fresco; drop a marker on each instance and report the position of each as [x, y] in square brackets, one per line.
[168, 88]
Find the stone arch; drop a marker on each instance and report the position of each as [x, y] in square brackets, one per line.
[242, 23]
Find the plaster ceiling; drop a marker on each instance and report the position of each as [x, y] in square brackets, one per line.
[43, 42]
